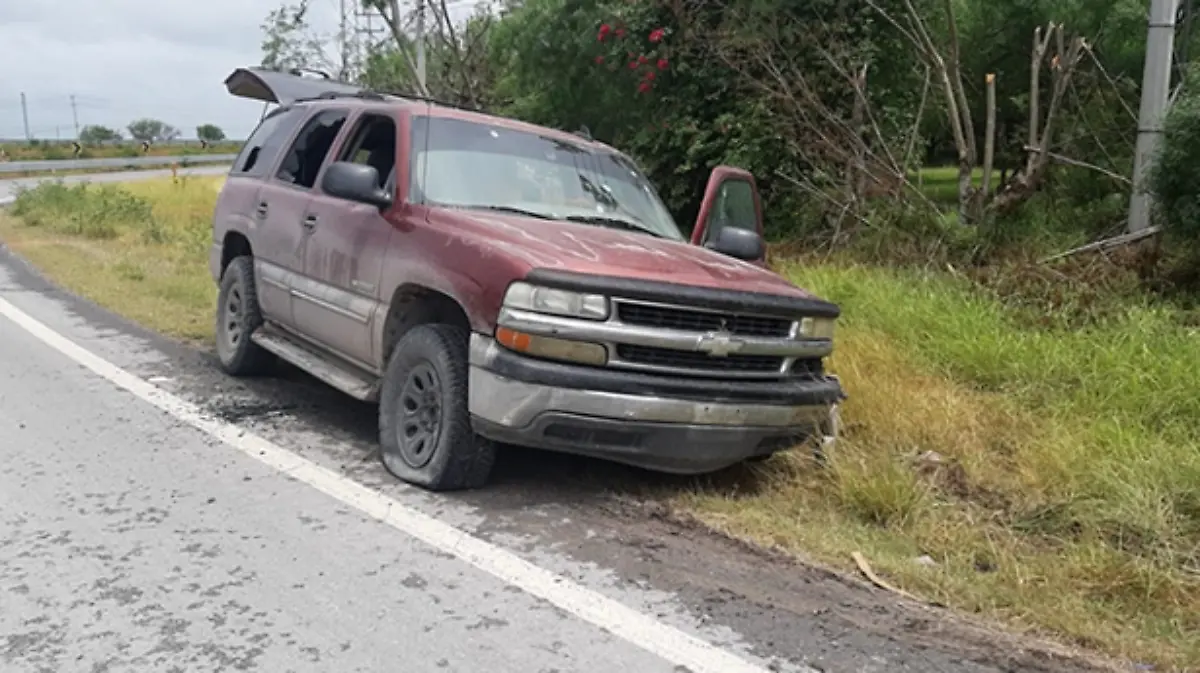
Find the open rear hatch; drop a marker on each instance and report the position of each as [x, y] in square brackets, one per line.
[276, 86]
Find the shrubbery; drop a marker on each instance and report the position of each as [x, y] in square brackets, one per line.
[1175, 175]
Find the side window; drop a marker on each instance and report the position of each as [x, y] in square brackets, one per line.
[373, 143]
[732, 207]
[264, 144]
[303, 160]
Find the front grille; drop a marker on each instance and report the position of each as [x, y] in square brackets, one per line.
[649, 315]
[667, 357]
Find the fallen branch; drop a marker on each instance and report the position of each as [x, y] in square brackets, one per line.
[865, 568]
[1062, 159]
[1115, 241]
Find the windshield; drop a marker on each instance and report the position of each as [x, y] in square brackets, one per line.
[464, 164]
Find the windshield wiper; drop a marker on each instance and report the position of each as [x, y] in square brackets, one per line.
[617, 222]
[514, 211]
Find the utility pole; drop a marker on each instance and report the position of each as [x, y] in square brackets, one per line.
[25, 116]
[421, 44]
[1156, 90]
[75, 115]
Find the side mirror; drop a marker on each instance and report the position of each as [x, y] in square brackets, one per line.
[741, 244]
[355, 182]
[730, 200]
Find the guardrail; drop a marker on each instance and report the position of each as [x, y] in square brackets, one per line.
[113, 162]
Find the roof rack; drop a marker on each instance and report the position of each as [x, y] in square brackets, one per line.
[298, 72]
[365, 94]
[371, 94]
[434, 101]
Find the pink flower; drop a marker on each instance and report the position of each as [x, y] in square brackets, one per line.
[662, 64]
[644, 87]
[599, 60]
[657, 34]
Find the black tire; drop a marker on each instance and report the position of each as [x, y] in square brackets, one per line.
[425, 434]
[238, 316]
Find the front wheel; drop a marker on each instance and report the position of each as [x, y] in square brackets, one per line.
[425, 433]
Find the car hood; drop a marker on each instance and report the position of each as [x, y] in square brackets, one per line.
[591, 249]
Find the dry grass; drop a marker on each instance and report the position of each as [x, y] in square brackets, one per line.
[1052, 474]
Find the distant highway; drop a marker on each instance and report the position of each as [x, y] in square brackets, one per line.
[9, 188]
[113, 162]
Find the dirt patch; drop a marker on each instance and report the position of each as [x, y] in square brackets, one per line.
[737, 573]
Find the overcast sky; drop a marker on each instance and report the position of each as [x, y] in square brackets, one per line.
[126, 59]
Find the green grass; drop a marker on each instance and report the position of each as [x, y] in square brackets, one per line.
[1066, 497]
[940, 183]
[1051, 468]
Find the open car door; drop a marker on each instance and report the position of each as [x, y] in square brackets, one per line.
[730, 219]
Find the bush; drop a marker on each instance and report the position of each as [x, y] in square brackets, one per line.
[1175, 175]
[84, 210]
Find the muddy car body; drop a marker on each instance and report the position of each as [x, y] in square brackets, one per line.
[487, 280]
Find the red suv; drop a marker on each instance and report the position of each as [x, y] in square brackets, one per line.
[486, 280]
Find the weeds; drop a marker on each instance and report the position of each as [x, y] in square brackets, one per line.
[139, 249]
[85, 210]
[1050, 470]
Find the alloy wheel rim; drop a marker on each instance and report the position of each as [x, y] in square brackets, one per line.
[420, 411]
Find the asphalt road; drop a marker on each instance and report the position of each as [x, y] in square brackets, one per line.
[10, 187]
[112, 162]
[156, 515]
[130, 541]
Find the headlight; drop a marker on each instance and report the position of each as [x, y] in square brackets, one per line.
[556, 302]
[816, 328]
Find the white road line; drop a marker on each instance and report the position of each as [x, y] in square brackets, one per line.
[640, 629]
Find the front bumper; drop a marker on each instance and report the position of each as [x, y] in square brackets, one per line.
[668, 424]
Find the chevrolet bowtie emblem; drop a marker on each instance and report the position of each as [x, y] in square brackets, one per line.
[719, 344]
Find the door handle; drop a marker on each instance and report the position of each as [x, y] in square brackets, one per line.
[261, 212]
[310, 222]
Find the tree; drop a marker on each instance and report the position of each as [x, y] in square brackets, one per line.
[291, 43]
[94, 134]
[152, 131]
[684, 86]
[210, 132]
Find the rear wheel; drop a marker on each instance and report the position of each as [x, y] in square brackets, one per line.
[238, 316]
[425, 433]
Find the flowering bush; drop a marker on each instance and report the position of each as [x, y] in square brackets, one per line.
[645, 52]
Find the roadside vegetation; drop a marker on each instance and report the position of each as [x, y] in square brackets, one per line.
[1038, 472]
[140, 250]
